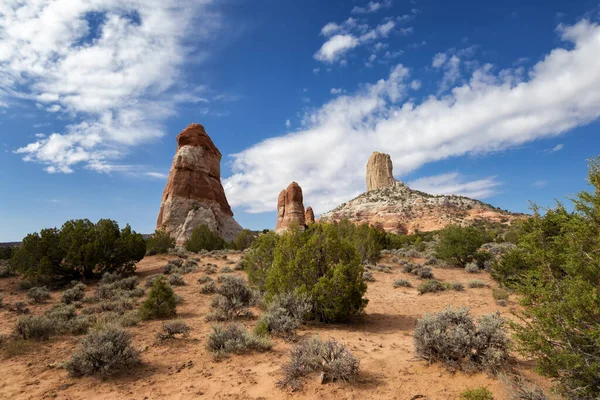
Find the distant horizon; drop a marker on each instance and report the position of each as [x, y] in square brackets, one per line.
[500, 104]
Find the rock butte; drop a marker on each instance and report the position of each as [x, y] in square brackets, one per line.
[194, 195]
[394, 207]
[290, 208]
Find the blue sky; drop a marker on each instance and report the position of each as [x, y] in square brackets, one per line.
[498, 101]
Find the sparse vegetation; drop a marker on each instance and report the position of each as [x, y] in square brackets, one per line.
[34, 327]
[475, 283]
[331, 359]
[173, 328]
[285, 314]
[103, 353]
[209, 287]
[176, 280]
[472, 268]
[499, 294]
[431, 286]
[368, 276]
[38, 294]
[244, 240]
[161, 301]
[233, 298]
[234, 338]
[479, 393]
[74, 294]
[204, 239]
[402, 283]
[454, 339]
[160, 242]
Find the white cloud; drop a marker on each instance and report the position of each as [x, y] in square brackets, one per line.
[371, 7]
[336, 90]
[116, 76]
[393, 54]
[556, 148]
[348, 36]
[40, 135]
[454, 183]
[415, 84]
[333, 49]
[540, 184]
[157, 175]
[288, 123]
[438, 60]
[489, 112]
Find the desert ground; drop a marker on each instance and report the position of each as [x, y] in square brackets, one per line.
[184, 369]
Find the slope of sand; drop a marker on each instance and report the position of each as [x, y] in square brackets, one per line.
[184, 369]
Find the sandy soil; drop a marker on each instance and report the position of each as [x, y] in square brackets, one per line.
[184, 369]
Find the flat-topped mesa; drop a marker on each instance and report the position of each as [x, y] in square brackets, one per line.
[194, 195]
[379, 171]
[309, 216]
[290, 208]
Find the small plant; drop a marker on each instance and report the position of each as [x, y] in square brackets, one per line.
[408, 267]
[285, 314]
[38, 294]
[176, 280]
[204, 279]
[160, 242]
[522, 389]
[480, 393]
[226, 270]
[500, 294]
[103, 353]
[234, 338]
[20, 307]
[233, 299]
[472, 268]
[402, 283]
[150, 280]
[172, 328]
[161, 301]
[456, 286]
[331, 359]
[423, 272]
[368, 276]
[76, 293]
[431, 286]
[475, 283]
[502, 303]
[454, 339]
[34, 327]
[209, 288]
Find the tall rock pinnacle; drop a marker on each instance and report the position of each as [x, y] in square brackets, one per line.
[194, 195]
[290, 208]
[379, 171]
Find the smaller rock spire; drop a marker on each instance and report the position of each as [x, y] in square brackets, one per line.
[379, 171]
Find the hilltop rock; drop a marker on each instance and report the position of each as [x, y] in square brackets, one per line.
[379, 171]
[309, 216]
[290, 208]
[194, 195]
[393, 206]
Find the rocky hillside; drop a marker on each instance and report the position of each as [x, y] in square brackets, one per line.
[395, 207]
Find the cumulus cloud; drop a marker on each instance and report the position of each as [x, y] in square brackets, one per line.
[491, 111]
[454, 183]
[110, 67]
[341, 38]
[371, 7]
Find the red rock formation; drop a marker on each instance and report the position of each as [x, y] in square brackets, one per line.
[379, 171]
[290, 208]
[194, 195]
[309, 216]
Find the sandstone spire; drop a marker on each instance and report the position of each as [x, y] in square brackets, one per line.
[290, 208]
[194, 195]
[379, 171]
[309, 216]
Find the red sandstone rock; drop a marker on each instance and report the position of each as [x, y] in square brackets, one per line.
[379, 171]
[290, 208]
[309, 216]
[194, 195]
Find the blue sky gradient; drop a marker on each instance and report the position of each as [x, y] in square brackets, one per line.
[251, 71]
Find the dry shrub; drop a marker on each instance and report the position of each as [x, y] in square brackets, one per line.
[331, 359]
[368, 276]
[454, 339]
[35, 327]
[402, 283]
[172, 328]
[176, 280]
[38, 294]
[74, 294]
[285, 314]
[234, 338]
[233, 299]
[103, 353]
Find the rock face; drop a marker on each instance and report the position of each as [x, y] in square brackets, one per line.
[194, 195]
[379, 171]
[393, 206]
[290, 208]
